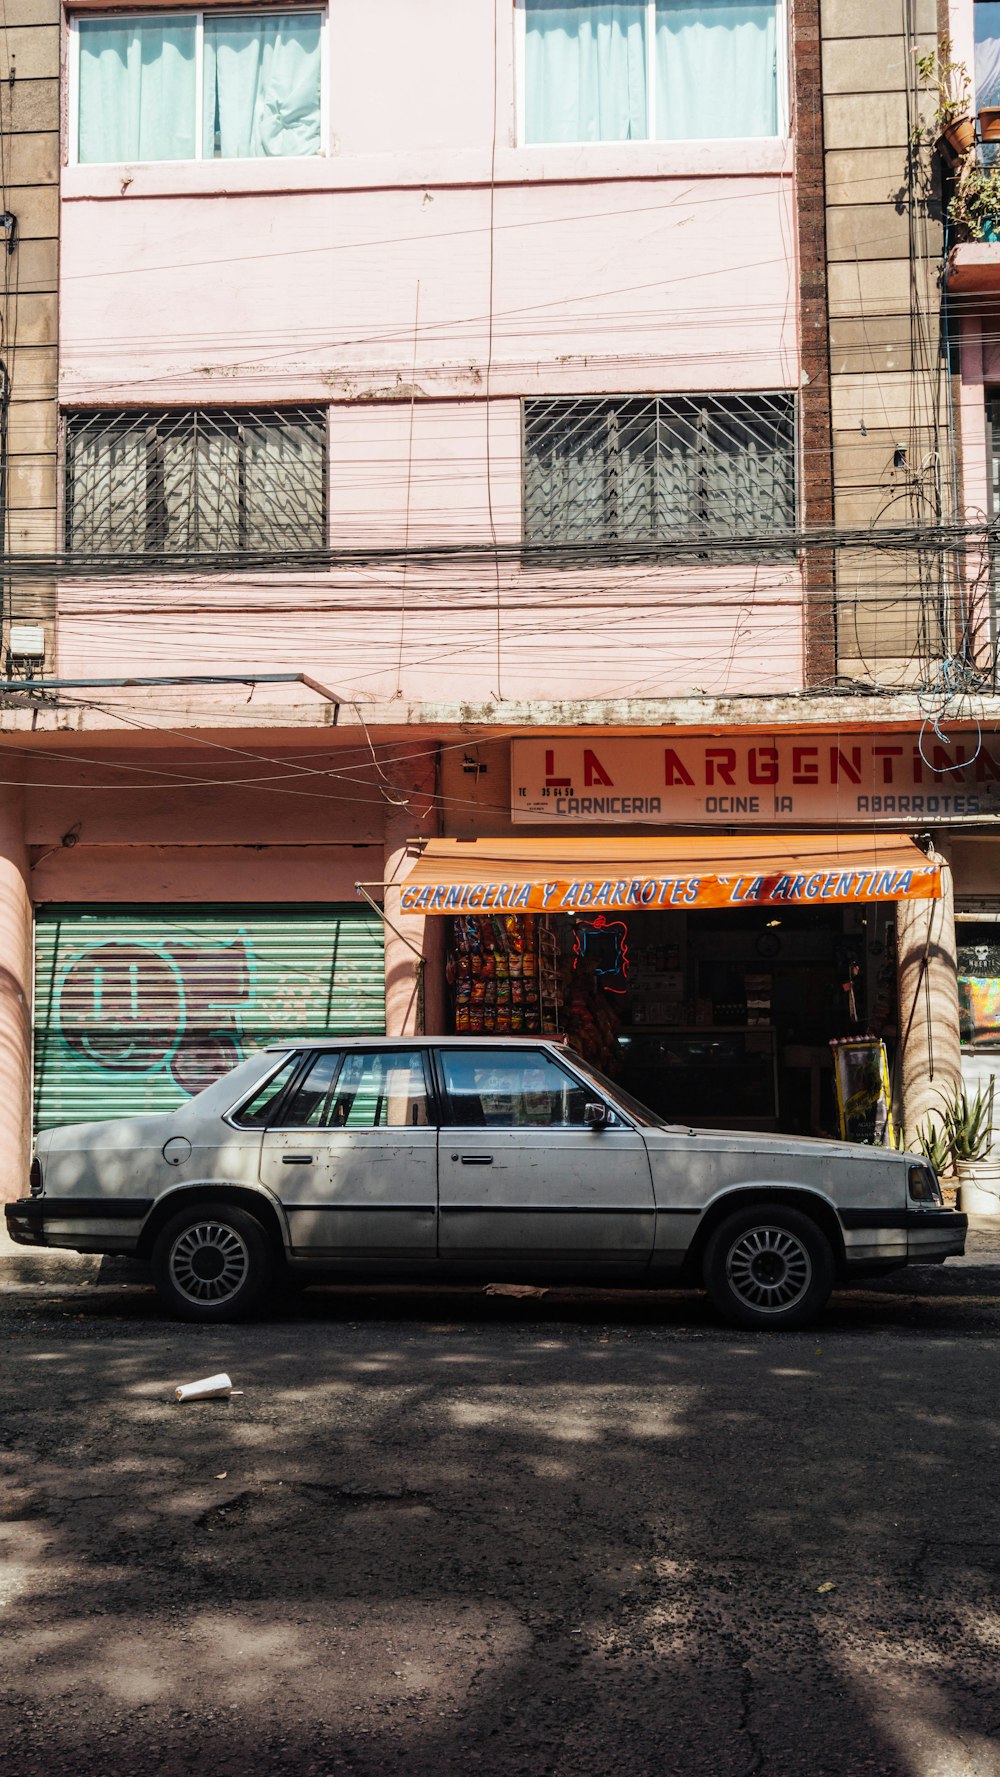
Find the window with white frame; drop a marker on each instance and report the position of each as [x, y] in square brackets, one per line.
[197, 86]
[651, 70]
[986, 14]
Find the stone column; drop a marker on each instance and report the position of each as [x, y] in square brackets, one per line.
[15, 998]
[414, 994]
[928, 1003]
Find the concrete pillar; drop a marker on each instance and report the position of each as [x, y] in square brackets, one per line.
[15, 998]
[928, 1004]
[414, 995]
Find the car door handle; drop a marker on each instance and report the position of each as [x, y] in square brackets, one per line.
[476, 1159]
[297, 1159]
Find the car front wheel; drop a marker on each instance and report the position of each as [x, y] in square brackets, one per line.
[213, 1262]
[768, 1266]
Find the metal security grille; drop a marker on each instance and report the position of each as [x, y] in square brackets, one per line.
[203, 482]
[993, 432]
[137, 1008]
[632, 472]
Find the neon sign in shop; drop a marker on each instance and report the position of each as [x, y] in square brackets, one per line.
[605, 942]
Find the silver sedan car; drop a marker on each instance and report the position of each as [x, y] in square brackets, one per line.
[446, 1158]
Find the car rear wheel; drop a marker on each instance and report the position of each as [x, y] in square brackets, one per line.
[768, 1266]
[213, 1262]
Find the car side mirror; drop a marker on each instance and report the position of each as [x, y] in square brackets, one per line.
[595, 1116]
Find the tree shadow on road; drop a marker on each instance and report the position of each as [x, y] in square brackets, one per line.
[452, 1533]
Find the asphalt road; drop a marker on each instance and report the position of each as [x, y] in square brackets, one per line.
[442, 1533]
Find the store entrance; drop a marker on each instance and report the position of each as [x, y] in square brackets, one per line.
[717, 1017]
[729, 1021]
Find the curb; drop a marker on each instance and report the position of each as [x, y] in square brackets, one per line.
[51, 1268]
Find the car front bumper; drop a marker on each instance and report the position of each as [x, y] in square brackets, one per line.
[934, 1234]
[902, 1236]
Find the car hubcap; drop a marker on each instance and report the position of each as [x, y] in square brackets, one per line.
[209, 1262]
[769, 1269]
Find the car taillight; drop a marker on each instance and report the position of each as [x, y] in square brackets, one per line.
[35, 1177]
[923, 1185]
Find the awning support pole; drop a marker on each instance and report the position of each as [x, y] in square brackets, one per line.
[386, 921]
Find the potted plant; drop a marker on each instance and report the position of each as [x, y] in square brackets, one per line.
[975, 205]
[989, 123]
[935, 1145]
[968, 1121]
[951, 126]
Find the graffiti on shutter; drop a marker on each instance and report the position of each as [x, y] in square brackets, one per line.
[137, 1009]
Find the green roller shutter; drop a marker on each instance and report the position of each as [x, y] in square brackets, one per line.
[138, 1007]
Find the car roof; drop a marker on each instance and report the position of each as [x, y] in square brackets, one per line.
[475, 1042]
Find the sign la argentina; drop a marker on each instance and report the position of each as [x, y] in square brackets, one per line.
[789, 778]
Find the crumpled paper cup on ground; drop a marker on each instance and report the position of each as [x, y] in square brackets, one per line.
[210, 1388]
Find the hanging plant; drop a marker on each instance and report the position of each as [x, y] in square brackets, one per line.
[975, 206]
[951, 125]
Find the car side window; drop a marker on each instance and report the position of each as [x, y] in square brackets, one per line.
[310, 1104]
[498, 1089]
[381, 1089]
[257, 1112]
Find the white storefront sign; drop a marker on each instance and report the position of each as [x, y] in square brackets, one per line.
[876, 779]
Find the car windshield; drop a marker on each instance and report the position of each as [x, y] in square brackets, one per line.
[640, 1113]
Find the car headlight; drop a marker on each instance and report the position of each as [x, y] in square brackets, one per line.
[923, 1184]
[35, 1177]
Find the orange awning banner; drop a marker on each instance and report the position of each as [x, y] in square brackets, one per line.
[593, 875]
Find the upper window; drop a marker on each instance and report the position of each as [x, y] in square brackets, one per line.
[207, 482]
[665, 468]
[987, 65]
[650, 70]
[198, 86]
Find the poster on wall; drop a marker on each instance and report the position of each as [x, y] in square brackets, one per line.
[979, 1010]
[785, 779]
[861, 1075]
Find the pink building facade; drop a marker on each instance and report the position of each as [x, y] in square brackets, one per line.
[431, 379]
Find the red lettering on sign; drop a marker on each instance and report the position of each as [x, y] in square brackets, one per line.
[805, 765]
[674, 770]
[721, 760]
[851, 767]
[593, 770]
[887, 755]
[944, 762]
[763, 765]
[551, 781]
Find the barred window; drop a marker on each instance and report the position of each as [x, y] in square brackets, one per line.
[207, 482]
[643, 470]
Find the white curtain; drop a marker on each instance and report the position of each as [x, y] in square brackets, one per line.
[200, 486]
[677, 461]
[585, 72]
[566, 482]
[262, 85]
[136, 92]
[716, 69]
[748, 482]
[285, 494]
[107, 505]
[987, 17]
